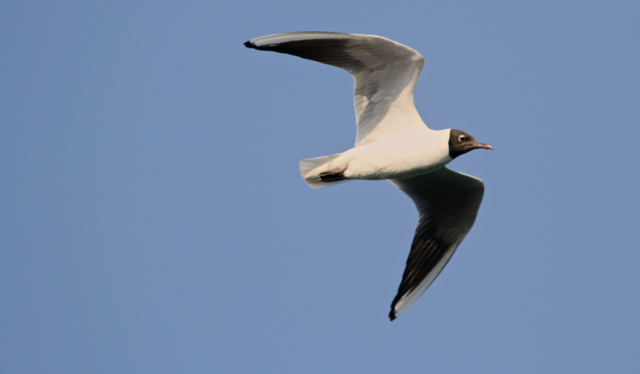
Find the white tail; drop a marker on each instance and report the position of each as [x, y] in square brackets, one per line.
[312, 167]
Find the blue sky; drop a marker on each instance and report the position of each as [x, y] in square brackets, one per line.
[153, 219]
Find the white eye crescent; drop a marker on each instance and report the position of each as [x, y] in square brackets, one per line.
[462, 138]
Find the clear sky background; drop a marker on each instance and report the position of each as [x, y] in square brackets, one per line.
[153, 219]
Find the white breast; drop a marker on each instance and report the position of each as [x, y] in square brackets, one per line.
[408, 153]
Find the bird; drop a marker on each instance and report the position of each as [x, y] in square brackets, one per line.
[393, 143]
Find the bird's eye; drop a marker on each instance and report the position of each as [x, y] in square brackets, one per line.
[462, 138]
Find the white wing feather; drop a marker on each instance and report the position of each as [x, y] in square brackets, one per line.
[385, 74]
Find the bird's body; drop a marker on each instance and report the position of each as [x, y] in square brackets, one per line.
[407, 153]
[392, 142]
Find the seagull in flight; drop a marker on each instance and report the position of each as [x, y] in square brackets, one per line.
[392, 142]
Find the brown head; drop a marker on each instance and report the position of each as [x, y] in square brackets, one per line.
[460, 143]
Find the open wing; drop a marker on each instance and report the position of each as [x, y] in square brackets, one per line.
[448, 203]
[385, 74]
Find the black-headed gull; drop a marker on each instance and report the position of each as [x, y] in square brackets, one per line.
[393, 143]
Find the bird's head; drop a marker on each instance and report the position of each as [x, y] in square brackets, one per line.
[460, 143]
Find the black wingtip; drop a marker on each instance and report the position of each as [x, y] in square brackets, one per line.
[248, 44]
[392, 315]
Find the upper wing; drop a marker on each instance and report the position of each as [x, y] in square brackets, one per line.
[385, 74]
[448, 203]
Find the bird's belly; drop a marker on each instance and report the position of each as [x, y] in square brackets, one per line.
[412, 152]
[395, 165]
